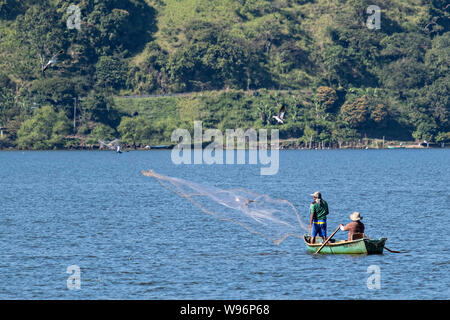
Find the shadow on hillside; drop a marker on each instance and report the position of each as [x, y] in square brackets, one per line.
[142, 24]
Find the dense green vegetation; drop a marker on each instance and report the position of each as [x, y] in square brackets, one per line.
[239, 60]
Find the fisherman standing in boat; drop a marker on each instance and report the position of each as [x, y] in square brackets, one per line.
[318, 221]
[354, 227]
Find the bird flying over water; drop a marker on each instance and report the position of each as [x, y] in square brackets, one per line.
[280, 116]
[51, 62]
[112, 145]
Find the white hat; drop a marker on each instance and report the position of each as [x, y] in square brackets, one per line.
[355, 216]
[317, 194]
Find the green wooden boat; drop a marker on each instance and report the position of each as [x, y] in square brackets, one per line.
[396, 147]
[360, 246]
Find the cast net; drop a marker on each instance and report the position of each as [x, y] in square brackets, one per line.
[274, 219]
[111, 144]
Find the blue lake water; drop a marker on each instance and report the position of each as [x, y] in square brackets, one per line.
[133, 239]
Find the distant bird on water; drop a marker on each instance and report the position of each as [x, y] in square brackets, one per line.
[280, 116]
[51, 62]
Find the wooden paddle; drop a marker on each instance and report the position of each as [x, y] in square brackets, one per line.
[393, 251]
[326, 241]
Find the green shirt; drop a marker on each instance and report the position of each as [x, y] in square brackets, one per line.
[319, 211]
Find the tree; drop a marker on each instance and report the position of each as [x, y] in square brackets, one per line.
[379, 113]
[9, 8]
[214, 59]
[443, 137]
[401, 45]
[440, 20]
[114, 26]
[6, 105]
[134, 131]
[265, 112]
[40, 32]
[438, 57]
[342, 134]
[326, 99]
[110, 72]
[99, 106]
[434, 101]
[55, 91]
[326, 96]
[45, 130]
[309, 136]
[425, 131]
[355, 112]
[103, 132]
[404, 74]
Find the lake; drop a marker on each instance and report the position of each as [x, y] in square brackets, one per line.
[133, 239]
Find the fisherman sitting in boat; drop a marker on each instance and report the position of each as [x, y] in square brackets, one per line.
[318, 221]
[354, 227]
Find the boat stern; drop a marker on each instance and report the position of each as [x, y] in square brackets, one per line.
[375, 246]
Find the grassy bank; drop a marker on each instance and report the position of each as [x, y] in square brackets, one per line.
[310, 122]
[313, 119]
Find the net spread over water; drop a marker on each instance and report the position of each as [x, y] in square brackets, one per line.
[274, 219]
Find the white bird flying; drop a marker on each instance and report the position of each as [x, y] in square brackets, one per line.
[51, 62]
[280, 116]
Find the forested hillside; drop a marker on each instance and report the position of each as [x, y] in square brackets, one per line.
[338, 79]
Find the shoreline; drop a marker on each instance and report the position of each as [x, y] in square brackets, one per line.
[281, 147]
[283, 144]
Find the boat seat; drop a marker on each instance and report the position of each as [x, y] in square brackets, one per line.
[357, 236]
